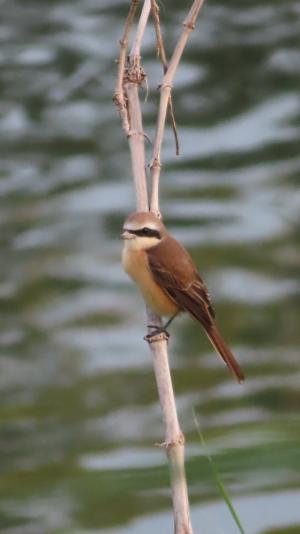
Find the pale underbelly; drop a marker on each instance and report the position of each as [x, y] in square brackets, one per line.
[136, 265]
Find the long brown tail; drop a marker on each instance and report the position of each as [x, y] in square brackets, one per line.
[225, 353]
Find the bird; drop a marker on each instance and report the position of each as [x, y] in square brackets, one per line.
[168, 279]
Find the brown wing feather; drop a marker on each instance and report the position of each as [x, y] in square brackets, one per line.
[183, 284]
[180, 279]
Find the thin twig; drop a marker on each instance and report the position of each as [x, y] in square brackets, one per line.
[159, 40]
[165, 91]
[119, 97]
[136, 47]
[134, 76]
[161, 52]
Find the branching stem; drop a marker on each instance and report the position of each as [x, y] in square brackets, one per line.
[130, 77]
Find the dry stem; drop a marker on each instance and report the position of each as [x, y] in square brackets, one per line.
[162, 55]
[133, 77]
[130, 77]
[136, 47]
[119, 97]
[165, 91]
[136, 144]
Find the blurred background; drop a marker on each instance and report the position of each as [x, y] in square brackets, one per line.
[79, 410]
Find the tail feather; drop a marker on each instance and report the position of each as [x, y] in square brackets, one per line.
[225, 353]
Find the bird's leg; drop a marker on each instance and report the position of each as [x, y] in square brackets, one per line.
[170, 320]
[157, 330]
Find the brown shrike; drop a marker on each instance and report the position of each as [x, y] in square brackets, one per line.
[168, 278]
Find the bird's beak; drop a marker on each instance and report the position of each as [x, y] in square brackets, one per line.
[127, 235]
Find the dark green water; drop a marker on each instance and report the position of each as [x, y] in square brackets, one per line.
[79, 410]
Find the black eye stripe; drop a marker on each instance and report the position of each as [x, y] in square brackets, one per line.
[145, 232]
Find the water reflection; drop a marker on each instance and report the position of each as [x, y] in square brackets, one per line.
[79, 406]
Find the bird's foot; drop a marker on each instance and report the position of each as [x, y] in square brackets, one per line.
[159, 333]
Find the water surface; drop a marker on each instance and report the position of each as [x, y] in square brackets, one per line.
[79, 411]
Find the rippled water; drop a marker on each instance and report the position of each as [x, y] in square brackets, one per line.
[79, 411]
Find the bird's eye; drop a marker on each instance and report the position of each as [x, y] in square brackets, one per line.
[146, 231]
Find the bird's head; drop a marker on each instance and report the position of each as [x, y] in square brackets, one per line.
[142, 230]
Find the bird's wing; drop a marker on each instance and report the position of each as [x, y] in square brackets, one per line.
[180, 280]
[175, 273]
